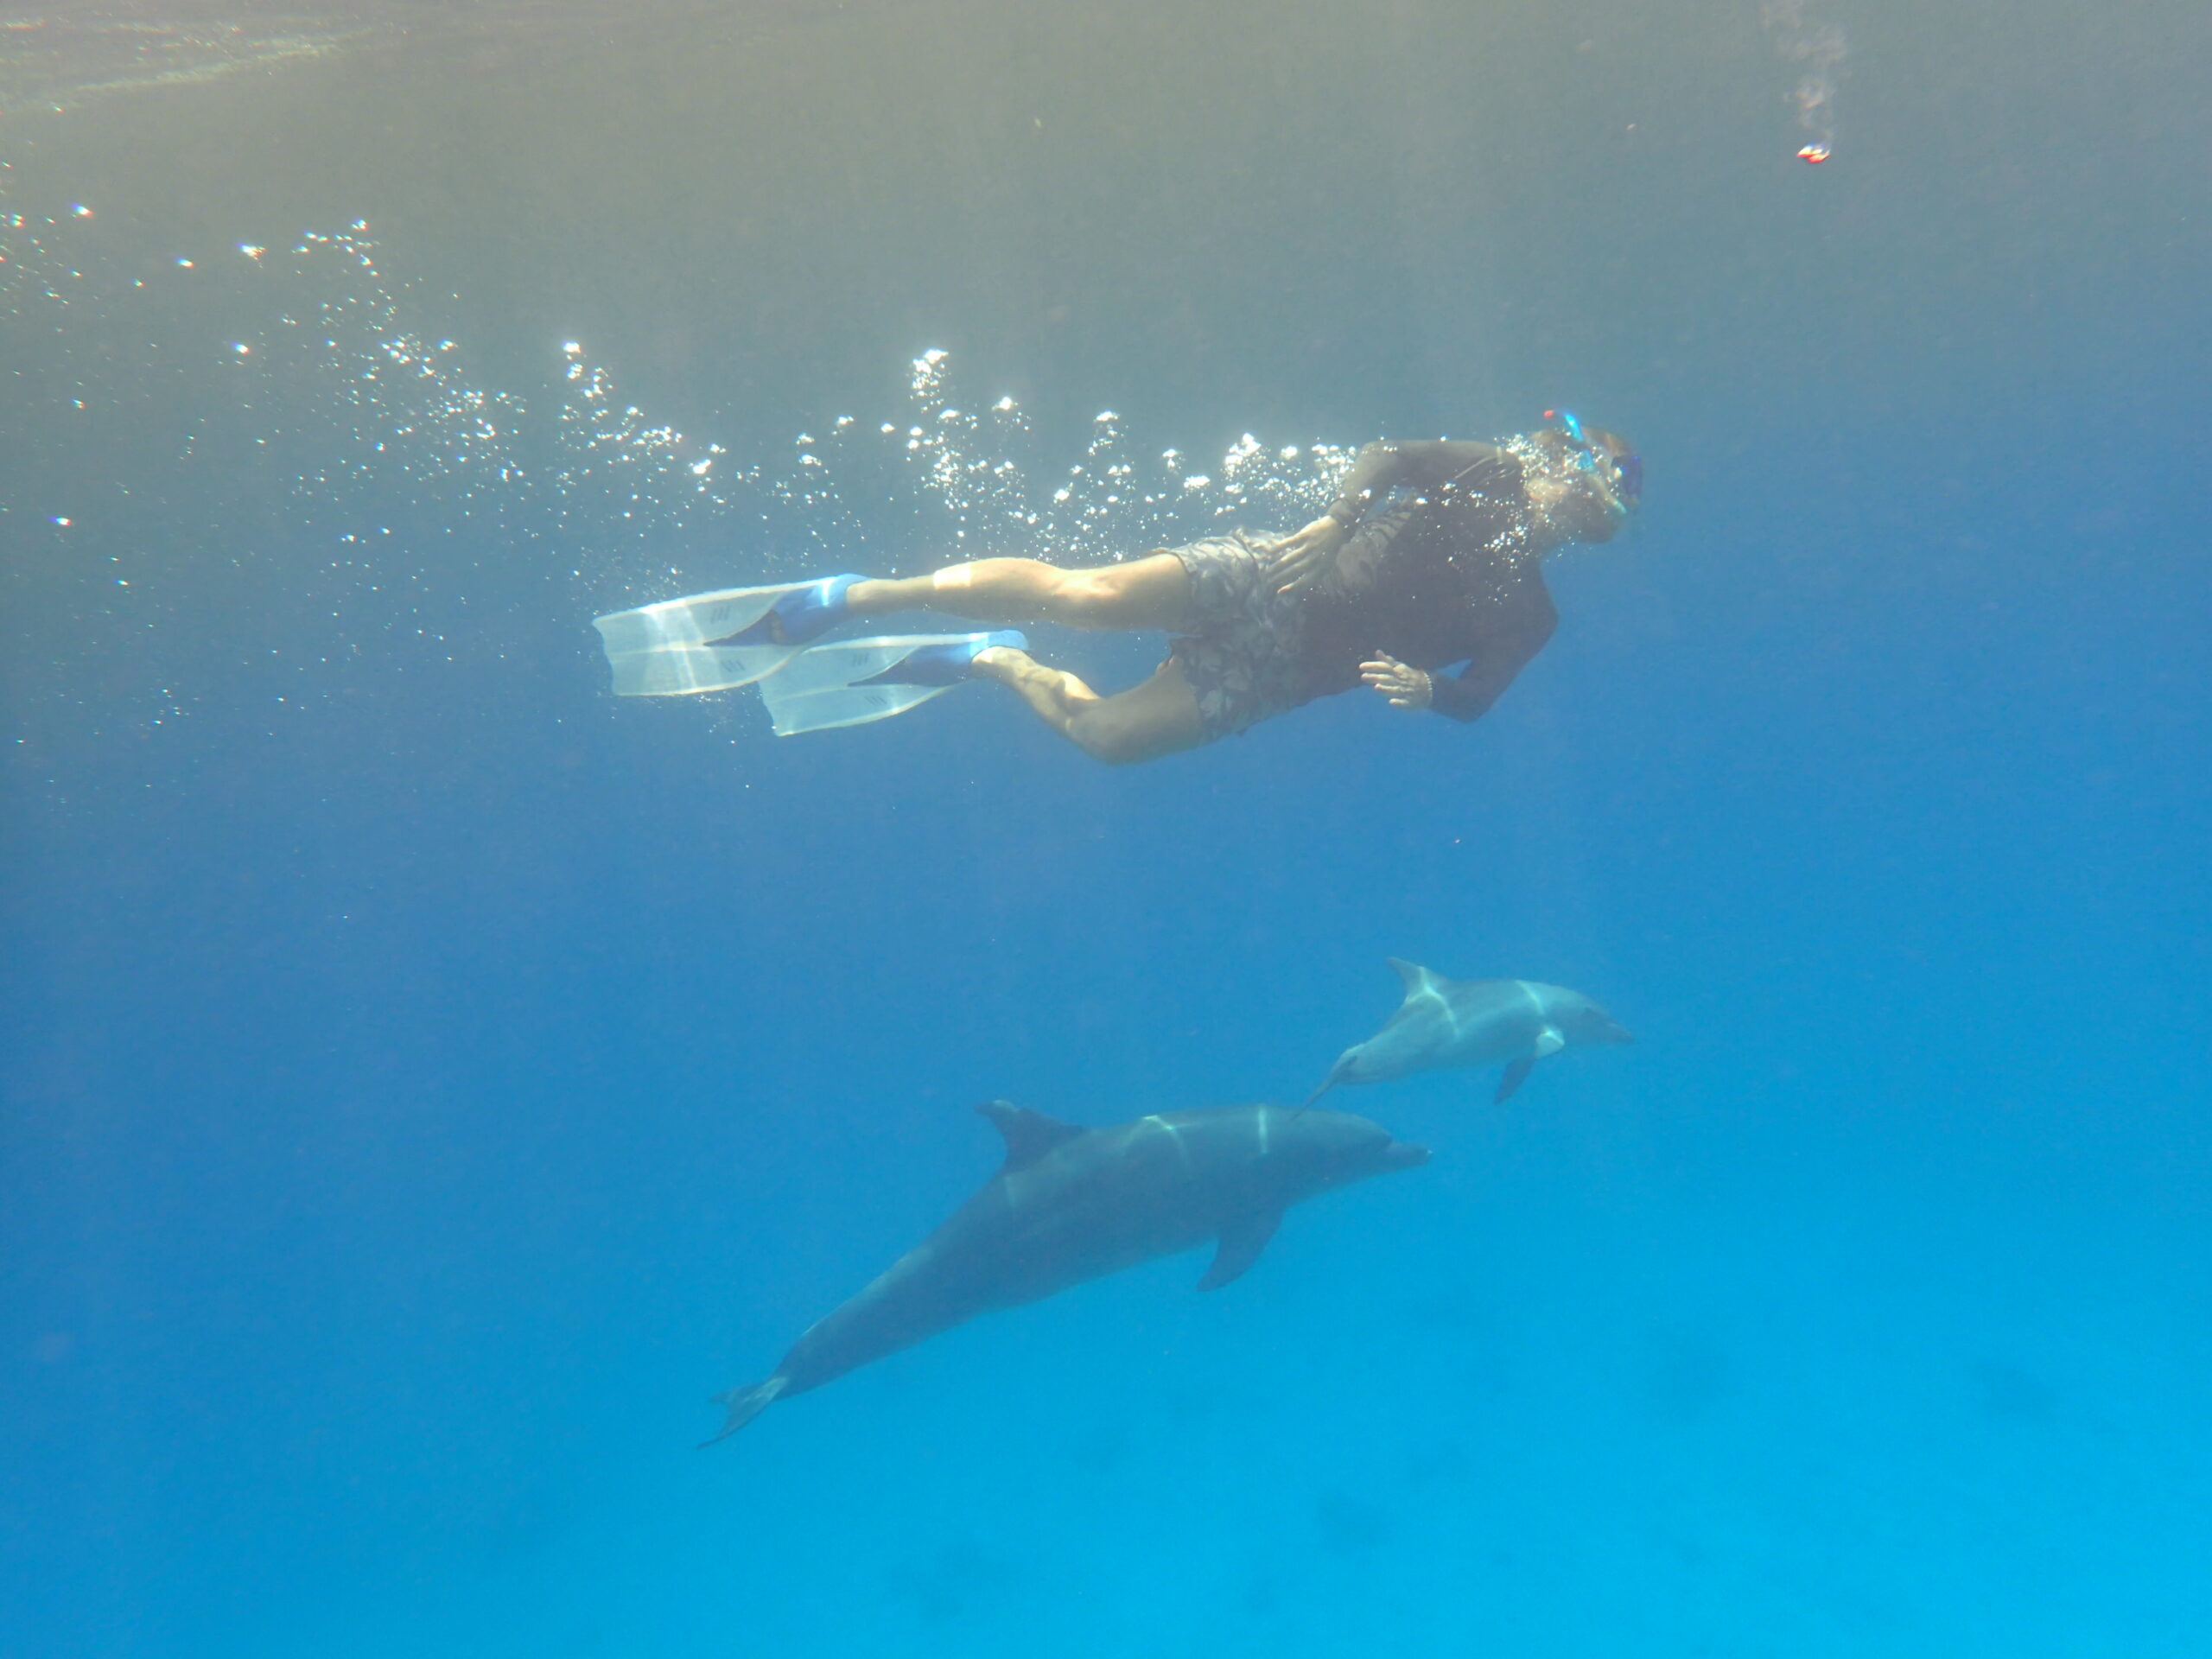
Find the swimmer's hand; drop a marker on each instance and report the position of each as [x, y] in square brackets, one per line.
[1299, 560]
[1406, 687]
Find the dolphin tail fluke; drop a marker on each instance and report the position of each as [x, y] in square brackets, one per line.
[744, 1405]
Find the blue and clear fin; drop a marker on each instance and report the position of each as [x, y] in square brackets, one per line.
[856, 681]
[706, 642]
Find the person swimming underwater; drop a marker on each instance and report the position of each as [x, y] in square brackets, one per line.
[1430, 556]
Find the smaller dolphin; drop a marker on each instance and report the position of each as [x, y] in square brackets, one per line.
[1070, 1204]
[1444, 1024]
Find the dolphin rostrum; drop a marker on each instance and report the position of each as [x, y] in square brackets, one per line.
[1444, 1024]
[1071, 1203]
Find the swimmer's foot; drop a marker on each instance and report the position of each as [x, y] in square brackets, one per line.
[804, 614]
[947, 662]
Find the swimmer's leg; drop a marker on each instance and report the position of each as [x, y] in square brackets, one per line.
[1153, 592]
[1158, 717]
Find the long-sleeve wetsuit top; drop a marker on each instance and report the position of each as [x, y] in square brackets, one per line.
[1442, 566]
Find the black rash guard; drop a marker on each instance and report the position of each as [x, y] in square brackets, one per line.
[1442, 566]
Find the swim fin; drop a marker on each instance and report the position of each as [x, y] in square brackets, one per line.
[856, 681]
[711, 642]
[944, 662]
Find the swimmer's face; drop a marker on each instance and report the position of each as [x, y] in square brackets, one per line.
[1578, 501]
[1591, 513]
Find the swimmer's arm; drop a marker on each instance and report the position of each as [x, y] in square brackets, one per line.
[1420, 464]
[1303, 558]
[1469, 694]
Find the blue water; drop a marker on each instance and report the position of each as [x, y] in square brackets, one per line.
[429, 1079]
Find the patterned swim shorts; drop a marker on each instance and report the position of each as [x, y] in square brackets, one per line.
[1241, 656]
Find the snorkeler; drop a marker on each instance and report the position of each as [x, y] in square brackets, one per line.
[1429, 557]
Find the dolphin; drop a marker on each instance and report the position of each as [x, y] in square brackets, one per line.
[1444, 1024]
[1071, 1203]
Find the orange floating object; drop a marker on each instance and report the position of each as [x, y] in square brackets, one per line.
[1814, 155]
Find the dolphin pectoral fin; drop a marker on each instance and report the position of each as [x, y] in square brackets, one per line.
[743, 1406]
[1549, 1041]
[1336, 1076]
[1515, 1074]
[1242, 1241]
[1029, 1136]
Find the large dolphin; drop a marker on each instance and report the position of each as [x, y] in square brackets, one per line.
[1444, 1024]
[1071, 1203]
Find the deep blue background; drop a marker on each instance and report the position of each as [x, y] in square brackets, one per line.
[424, 1090]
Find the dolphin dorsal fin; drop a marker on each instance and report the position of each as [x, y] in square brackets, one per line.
[1417, 978]
[1029, 1135]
